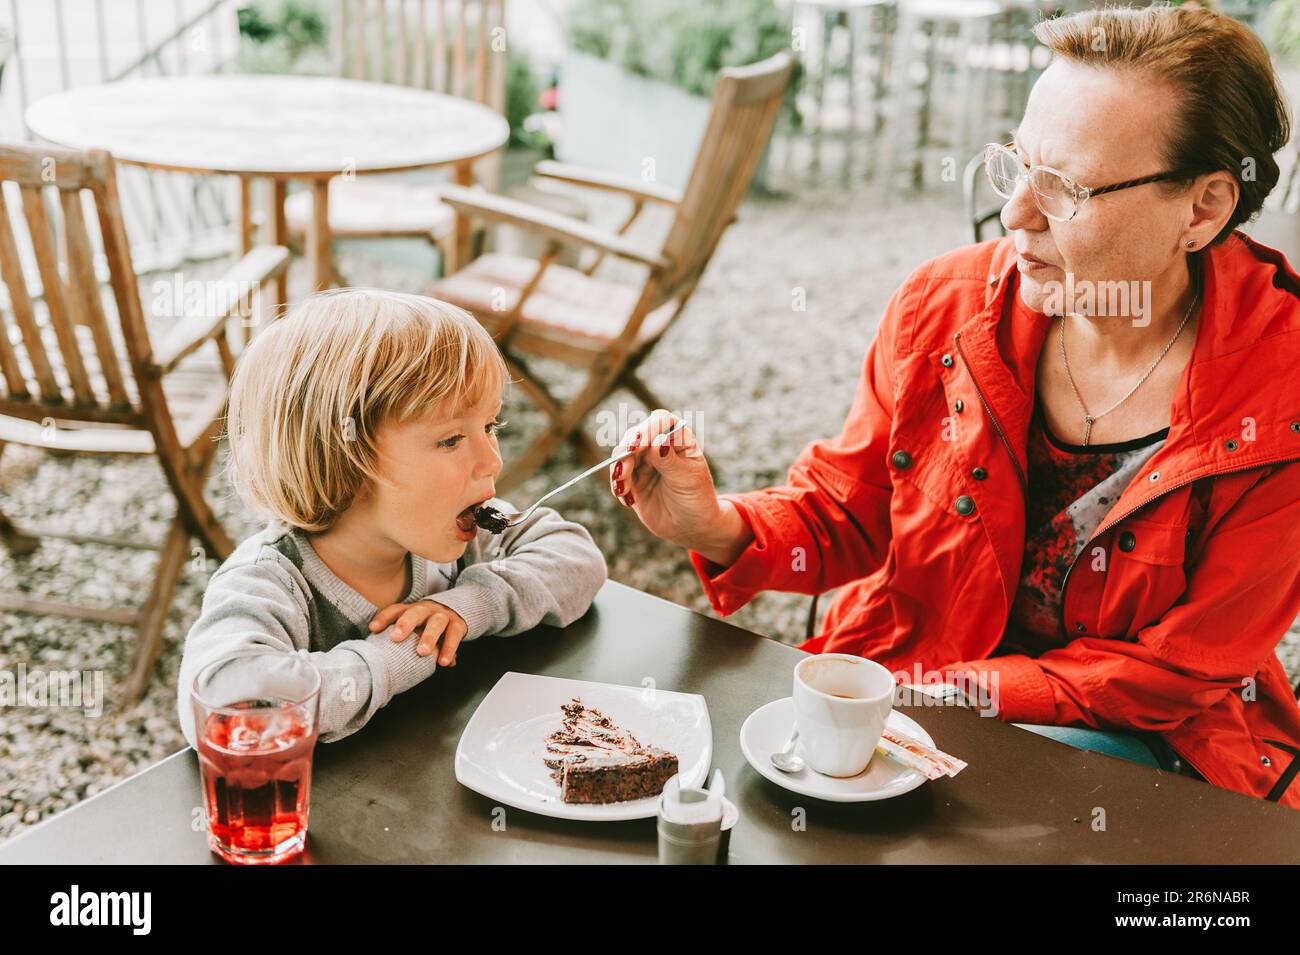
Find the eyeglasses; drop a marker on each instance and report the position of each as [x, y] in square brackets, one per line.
[1057, 195]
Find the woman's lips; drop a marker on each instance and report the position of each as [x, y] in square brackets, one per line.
[1028, 263]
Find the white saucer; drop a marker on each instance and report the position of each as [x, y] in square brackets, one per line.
[767, 730]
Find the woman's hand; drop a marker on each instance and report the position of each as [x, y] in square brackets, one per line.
[669, 485]
[431, 620]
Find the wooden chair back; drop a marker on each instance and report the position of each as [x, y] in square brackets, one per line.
[94, 383]
[448, 46]
[746, 101]
[61, 356]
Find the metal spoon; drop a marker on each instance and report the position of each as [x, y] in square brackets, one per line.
[786, 760]
[490, 519]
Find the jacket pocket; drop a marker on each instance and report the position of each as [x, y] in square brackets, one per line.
[929, 460]
[1145, 574]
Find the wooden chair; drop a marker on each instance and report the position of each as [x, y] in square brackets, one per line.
[73, 380]
[440, 45]
[603, 327]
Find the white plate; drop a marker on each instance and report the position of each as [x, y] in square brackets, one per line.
[767, 730]
[500, 753]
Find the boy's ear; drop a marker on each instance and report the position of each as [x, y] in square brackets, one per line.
[364, 492]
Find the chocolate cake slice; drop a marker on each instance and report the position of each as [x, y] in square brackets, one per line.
[596, 761]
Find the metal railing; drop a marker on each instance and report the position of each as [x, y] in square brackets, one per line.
[61, 44]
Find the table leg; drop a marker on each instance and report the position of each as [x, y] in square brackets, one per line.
[897, 137]
[962, 137]
[979, 122]
[259, 304]
[826, 24]
[245, 215]
[278, 230]
[852, 21]
[462, 229]
[319, 241]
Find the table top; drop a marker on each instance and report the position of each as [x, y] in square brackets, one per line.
[388, 793]
[269, 125]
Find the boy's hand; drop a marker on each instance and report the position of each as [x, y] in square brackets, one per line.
[433, 618]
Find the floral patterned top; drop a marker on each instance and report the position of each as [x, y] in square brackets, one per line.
[1071, 489]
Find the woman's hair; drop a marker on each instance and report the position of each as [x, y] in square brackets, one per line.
[310, 391]
[1231, 113]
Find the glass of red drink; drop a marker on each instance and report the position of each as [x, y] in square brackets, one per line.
[255, 720]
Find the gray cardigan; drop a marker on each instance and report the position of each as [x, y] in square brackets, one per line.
[275, 594]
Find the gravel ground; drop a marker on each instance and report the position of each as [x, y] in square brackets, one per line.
[763, 378]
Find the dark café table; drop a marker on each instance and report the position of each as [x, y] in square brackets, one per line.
[389, 794]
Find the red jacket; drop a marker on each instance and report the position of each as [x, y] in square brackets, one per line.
[1179, 599]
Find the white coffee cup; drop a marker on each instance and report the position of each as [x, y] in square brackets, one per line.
[841, 703]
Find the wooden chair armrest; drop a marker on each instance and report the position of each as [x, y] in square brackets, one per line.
[234, 290]
[484, 205]
[610, 182]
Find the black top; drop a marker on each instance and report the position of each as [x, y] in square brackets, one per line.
[1115, 446]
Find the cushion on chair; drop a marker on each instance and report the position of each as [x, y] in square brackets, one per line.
[195, 391]
[567, 301]
[376, 206]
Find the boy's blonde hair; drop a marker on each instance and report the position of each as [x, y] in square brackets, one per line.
[310, 391]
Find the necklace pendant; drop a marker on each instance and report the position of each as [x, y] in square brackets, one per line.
[1087, 427]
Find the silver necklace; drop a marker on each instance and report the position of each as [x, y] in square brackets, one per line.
[1088, 419]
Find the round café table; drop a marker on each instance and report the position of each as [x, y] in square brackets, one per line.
[278, 128]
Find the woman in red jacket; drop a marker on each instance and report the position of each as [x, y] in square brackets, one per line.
[1070, 479]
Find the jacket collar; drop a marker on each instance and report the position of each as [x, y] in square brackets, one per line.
[1238, 386]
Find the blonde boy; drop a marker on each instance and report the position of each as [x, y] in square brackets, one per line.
[363, 427]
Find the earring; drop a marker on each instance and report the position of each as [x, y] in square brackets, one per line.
[1190, 243]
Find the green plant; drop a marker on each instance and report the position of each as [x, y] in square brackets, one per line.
[521, 99]
[682, 42]
[280, 34]
[254, 25]
[1282, 29]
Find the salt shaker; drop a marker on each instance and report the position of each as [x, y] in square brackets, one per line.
[695, 824]
[690, 825]
[730, 816]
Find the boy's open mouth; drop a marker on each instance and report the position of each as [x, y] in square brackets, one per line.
[465, 519]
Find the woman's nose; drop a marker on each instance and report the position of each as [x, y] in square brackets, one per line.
[1021, 211]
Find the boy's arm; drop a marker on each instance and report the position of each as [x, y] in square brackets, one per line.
[545, 571]
[260, 608]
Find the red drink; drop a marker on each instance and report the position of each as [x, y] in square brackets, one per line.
[255, 757]
[257, 782]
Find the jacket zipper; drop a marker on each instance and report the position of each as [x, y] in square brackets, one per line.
[1024, 482]
[957, 338]
[1066, 579]
[1169, 490]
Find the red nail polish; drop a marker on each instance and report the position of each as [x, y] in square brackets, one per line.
[618, 488]
[663, 450]
[636, 442]
[628, 500]
[618, 470]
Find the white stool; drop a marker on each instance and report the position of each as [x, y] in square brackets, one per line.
[929, 23]
[848, 40]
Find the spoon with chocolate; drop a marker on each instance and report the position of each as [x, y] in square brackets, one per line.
[495, 521]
